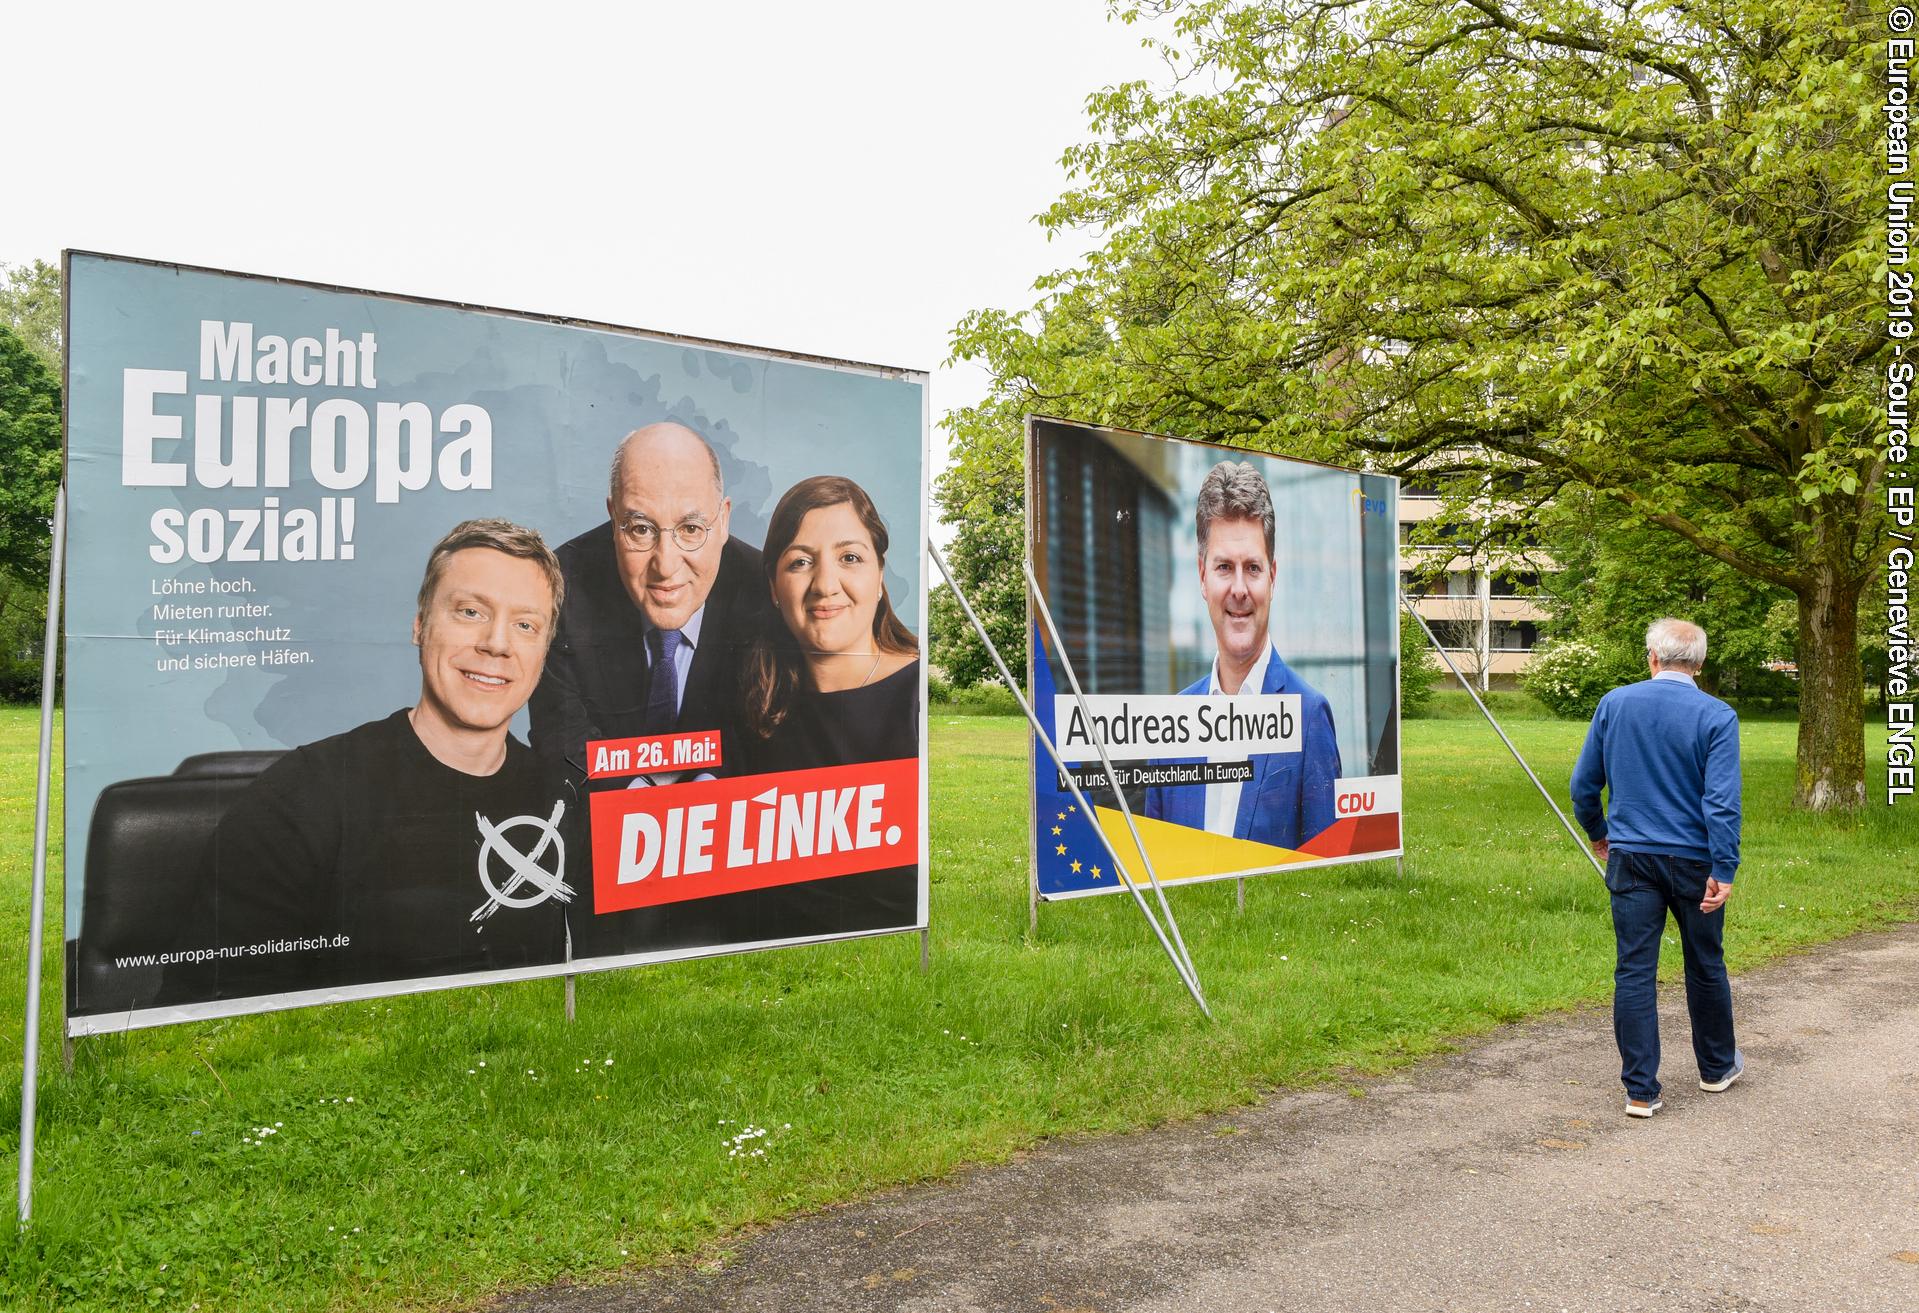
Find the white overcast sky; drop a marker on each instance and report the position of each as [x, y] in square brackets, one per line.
[845, 178]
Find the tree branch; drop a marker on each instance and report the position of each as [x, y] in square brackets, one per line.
[1695, 84]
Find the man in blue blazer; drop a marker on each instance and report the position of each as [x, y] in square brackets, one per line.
[1289, 799]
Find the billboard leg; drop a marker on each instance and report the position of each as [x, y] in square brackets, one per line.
[1401, 859]
[1239, 894]
[66, 1054]
[1106, 763]
[1032, 904]
[1119, 867]
[569, 1000]
[37, 917]
[926, 951]
[1578, 839]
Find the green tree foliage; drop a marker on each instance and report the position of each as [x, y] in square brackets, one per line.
[1618, 575]
[1419, 669]
[983, 495]
[30, 306]
[29, 460]
[23, 618]
[1599, 244]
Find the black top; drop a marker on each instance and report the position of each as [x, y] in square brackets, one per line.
[875, 722]
[367, 842]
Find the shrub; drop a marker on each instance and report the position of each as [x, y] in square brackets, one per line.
[1417, 670]
[992, 699]
[20, 681]
[1570, 676]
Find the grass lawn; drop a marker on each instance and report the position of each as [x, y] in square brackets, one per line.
[431, 1150]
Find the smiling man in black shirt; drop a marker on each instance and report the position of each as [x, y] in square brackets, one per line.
[425, 844]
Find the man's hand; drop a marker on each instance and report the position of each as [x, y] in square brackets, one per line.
[1602, 848]
[1716, 895]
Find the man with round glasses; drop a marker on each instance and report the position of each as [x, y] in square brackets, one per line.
[657, 599]
[661, 603]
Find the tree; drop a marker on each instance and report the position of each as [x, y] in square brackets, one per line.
[30, 306]
[1419, 670]
[23, 615]
[1604, 245]
[29, 460]
[983, 495]
[1616, 576]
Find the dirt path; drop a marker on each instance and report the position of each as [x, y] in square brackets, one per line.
[1504, 1177]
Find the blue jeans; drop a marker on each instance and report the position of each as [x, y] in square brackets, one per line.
[1644, 886]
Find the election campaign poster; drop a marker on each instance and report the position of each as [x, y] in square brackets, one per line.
[413, 645]
[1232, 618]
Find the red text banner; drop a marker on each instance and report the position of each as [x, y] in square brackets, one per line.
[674, 842]
[609, 758]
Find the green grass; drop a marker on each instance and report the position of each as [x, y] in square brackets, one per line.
[444, 1179]
[1455, 703]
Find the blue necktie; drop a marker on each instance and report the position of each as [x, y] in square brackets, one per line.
[663, 693]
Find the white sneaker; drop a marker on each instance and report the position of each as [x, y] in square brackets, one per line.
[1641, 1108]
[1725, 1082]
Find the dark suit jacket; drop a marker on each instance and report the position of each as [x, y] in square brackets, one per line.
[595, 687]
[596, 678]
[1290, 797]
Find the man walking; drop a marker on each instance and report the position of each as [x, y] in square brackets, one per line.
[1669, 754]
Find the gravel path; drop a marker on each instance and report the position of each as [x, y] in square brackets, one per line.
[1504, 1177]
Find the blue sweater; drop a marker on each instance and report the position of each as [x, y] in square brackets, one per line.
[1670, 753]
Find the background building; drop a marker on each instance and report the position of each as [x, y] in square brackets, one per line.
[1484, 606]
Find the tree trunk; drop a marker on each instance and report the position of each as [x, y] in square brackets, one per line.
[1832, 757]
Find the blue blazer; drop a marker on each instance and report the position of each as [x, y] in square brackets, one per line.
[1290, 797]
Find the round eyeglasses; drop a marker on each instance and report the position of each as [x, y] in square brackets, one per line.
[644, 535]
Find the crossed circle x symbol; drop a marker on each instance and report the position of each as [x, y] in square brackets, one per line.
[526, 868]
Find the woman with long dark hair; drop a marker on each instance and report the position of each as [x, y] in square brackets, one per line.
[834, 676]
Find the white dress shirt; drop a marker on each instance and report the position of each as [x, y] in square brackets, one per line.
[1222, 800]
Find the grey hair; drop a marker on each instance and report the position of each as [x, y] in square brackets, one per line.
[1678, 643]
[1233, 490]
[619, 460]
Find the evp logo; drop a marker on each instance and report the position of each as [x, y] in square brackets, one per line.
[1365, 505]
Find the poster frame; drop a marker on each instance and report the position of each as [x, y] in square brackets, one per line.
[172, 1014]
[1036, 558]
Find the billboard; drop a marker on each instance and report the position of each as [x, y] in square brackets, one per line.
[1232, 618]
[412, 645]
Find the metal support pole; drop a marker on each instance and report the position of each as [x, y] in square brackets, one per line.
[37, 917]
[1012, 686]
[1106, 764]
[1578, 839]
[926, 951]
[569, 1000]
[1239, 895]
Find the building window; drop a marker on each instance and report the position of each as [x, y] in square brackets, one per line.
[1513, 636]
[1519, 583]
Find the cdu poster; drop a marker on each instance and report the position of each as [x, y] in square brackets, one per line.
[1232, 618]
